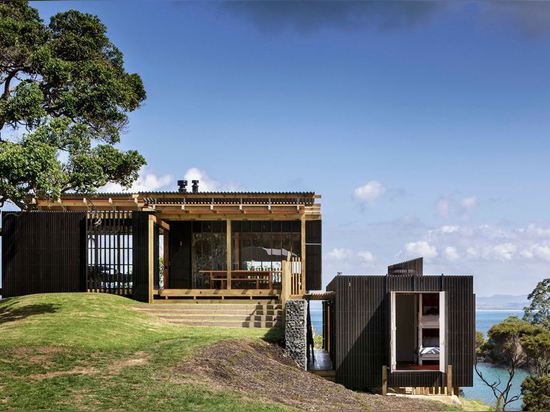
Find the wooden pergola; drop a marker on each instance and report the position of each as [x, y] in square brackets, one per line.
[167, 207]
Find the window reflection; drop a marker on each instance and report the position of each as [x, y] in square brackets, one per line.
[263, 245]
[259, 246]
[209, 252]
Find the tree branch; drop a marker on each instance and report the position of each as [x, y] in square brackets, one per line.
[7, 82]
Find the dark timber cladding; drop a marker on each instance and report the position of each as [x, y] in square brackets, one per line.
[106, 251]
[43, 252]
[313, 255]
[181, 234]
[408, 268]
[361, 329]
[140, 231]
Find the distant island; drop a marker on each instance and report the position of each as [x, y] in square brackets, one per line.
[501, 302]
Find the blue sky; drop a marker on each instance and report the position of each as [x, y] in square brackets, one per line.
[424, 126]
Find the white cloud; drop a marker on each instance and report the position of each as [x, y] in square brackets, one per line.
[369, 192]
[206, 184]
[539, 251]
[146, 182]
[451, 253]
[469, 203]
[504, 251]
[447, 229]
[443, 207]
[448, 207]
[366, 256]
[536, 231]
[340, 254]
[421, 248]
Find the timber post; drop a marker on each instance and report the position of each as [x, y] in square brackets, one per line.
[450, 389]
[286, 274]
[228, 252]
[151, 257]
[384, 380]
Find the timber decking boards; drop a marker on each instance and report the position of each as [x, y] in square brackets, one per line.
[221, 293]
[321, 361]
[321, 365]
[416, 367]
[243, 315]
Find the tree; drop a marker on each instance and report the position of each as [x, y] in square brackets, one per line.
[64, 100]
[503, 347]
[513, 344]
[536, 393]
[538, 311]
[537, 349]
[480, 341]
[536, 388]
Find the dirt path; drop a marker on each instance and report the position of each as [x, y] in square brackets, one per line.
[258, 369]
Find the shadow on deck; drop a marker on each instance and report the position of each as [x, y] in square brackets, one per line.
[321, 365]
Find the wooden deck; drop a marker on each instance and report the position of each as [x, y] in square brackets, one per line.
[218, 293]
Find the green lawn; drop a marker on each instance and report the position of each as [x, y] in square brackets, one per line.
[92, 351]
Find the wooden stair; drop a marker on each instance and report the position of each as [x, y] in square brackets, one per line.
[237, 315]
[329, 375]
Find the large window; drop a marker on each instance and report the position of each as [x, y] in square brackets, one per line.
[263, 245]
[209, 252]
[256, 246]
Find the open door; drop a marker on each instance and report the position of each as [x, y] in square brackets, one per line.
[165, 255]
[393, 346]
[418, 331]
[442, 333]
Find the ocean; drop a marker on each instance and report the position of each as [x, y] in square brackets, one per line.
[484, 320]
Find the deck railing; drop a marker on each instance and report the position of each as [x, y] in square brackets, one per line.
[241, 279]
[293, 284]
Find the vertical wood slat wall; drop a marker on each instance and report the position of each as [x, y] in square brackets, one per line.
[140, 252]
[48, 252]
[109, 252]
[313, 256]
[361, 328]
[43, 252]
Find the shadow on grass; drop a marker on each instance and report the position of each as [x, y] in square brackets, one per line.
[10, 314]
[275, 335]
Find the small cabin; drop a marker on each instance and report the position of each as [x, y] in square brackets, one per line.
[401, 330]
[185, 245]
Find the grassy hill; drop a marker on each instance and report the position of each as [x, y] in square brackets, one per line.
[95, 351]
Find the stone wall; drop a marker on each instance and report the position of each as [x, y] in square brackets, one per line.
[295, 330]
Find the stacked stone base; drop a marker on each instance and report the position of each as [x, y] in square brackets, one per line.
[295, 331]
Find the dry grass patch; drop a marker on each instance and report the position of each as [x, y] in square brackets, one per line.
[260, 370]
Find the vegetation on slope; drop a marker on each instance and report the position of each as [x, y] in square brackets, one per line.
[91, 351]
[94, 351]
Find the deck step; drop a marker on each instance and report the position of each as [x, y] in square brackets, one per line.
[177, 312]
[230, 318]
[224, 315]
[225, 302]
[221, 306]
[329, 375]
[227, 324]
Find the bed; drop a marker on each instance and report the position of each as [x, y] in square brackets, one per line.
[429, 321]
[428, 353]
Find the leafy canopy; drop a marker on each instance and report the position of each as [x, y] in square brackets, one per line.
[64, 100]
[538, 311]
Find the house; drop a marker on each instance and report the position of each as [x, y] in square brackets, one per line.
[402, 329]
[165, 245]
